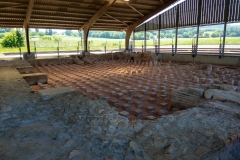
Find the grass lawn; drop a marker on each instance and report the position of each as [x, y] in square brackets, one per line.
[72, 43]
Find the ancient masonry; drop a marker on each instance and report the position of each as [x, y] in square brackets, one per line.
[136, 90]
[113, 108]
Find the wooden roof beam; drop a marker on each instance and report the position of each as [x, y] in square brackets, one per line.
[6, 7]
[42, 5]
[78, 2]
[139, 4]
[156, 11]
[63, 12]
[59, 18]
[130, 29]
[162, 1]
[115, 19]
[12, 2]
[29, 13]
[54, 20]
[98, 14]
[134, 8]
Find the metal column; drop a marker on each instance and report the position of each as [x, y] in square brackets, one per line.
[198, 23]
[134, 39]
[177, 21]
[159, 31]
[226, 13]
[145, 37]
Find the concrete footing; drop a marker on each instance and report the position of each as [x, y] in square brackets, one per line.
[210, 59]
[35, 78]
[49, 93]
[27, 56]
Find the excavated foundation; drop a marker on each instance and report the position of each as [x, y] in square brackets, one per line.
[139, 90]
[60, 122]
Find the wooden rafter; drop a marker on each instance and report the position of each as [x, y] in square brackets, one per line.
[162, 1]
[133, 8]
[156, 11]
[14, 6]
[29, 12]
[64, 12]
[115, 19]
[142, 4]
[40, 5]
[98, 14]
[79, 2]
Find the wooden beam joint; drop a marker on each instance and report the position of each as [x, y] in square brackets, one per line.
[98, 14]
[28, 14]
[133, 8]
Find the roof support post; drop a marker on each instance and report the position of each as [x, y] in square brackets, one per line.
[134, 40]
[85, 39]
[198, 23]
[26, 23]
[127, 38]
[27, 39]
[159, 32]
[176, 36]
[226, 13]
[145, 37]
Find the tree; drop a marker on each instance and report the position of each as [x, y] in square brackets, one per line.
[185, 35]
[214, 35]
[115, 35]
[102, 35]
[41, 34]
[32, 34]
[75, 34]
[107, 34]
[2, 30]
[46, 32]
[7, 29]
[1, 35]
[206, 35]
[36, 30]
[20, 38]
[162, 35]
[50, 32]
[233, 34]
[68, 32]
[13, 39]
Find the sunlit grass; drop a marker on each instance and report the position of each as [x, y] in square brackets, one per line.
[73, 43]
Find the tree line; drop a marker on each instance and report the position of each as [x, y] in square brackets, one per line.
[15, 38]
[204, 32]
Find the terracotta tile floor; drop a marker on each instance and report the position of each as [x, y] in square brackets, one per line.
[141, 90]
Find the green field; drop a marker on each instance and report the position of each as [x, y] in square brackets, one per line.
[71, 43]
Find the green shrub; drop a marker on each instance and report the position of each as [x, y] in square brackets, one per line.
[1, 35]
[13, 39]
[46, 38]
[56, 39]
[9, 40]
[41, 34]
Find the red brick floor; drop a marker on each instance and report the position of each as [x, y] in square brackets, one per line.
[140, 89]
